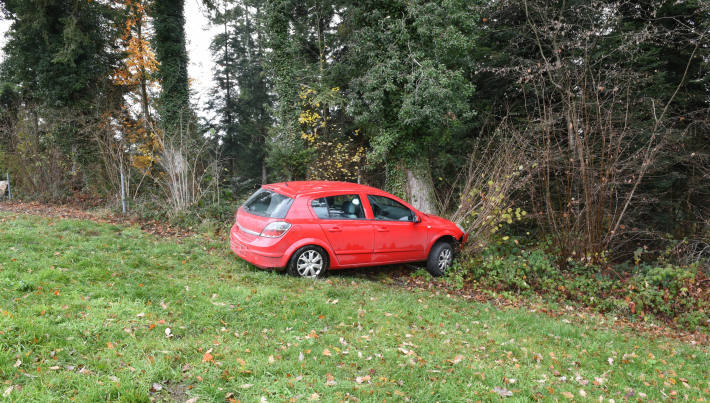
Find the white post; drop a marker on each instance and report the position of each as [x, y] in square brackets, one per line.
[123, 192]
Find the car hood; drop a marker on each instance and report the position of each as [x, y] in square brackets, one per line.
[437, 221]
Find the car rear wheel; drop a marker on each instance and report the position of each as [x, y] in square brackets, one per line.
[309, 261]
[440, 259]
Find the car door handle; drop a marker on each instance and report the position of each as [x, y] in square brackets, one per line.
[335, 229]
[382, 229]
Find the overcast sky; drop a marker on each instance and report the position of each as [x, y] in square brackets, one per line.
[199, 35]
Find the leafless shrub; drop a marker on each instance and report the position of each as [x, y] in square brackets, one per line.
[186, 161]
[498, 167]
[40, 167]
[594, 133]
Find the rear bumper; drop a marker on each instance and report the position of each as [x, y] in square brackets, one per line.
[261, 257]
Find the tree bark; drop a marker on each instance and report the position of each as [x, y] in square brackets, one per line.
[420, 188]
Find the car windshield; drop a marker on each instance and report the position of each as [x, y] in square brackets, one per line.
[267, 203]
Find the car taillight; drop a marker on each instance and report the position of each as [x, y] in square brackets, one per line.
[275, 229]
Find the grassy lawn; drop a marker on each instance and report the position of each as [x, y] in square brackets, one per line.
[98, 312]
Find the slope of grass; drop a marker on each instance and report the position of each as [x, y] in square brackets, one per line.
[104, 312]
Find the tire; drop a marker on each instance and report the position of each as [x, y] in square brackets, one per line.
[440, 259]
[309, 262]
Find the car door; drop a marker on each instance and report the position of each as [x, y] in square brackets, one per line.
[398, 238]
[349, 233]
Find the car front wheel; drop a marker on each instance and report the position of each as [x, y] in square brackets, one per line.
[440, 259]
[309, 262]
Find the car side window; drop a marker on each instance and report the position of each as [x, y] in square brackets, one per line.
[341, 207]
[384, 208]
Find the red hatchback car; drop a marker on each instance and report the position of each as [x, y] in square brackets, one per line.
[312, 226]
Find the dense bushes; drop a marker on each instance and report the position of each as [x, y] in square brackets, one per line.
[667, 292]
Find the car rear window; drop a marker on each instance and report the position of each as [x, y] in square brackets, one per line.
[267, 203]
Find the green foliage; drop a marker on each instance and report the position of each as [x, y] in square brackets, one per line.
[663, 290]
[671, 293]
[410, 65]
[60, 52]
[507, 267]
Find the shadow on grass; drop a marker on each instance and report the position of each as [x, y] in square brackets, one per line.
[371, 273]
[375, 273]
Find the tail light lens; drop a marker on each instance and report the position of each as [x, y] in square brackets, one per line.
[275, 229]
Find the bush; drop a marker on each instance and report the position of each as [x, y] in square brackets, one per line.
[663, 290]
[508, 267]
[672, 293]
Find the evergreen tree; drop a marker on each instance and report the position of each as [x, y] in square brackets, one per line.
[60, 56]
[169, 43]
[241, 98]
[410, 65]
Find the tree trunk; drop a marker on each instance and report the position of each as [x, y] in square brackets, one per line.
[420, 188]
[263, 172]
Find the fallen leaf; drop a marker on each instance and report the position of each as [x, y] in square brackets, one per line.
[313, 397]
[7, 391]
[246, 386]
[207, 357]
[17, 363]
[156, 387]
[327, 352]
[330, 381]
[568, 395]
[192, 400]
[361, 379]
[168, 332]
[456, 359]
[503, 392]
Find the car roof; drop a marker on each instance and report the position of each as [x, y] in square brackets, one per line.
[299, 188]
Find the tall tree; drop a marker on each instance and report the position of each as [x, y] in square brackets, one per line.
[303, 39]
[241, 97]
[169, 43]
[60, 55]
[137, 74]
[411, 83]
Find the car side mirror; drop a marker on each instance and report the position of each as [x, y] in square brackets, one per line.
[417, 219]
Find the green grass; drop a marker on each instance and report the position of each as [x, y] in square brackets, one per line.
[84, 309]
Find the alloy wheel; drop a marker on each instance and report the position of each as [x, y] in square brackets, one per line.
[309, 264]
[445, 259]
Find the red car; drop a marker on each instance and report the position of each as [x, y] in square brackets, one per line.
[313, 226]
